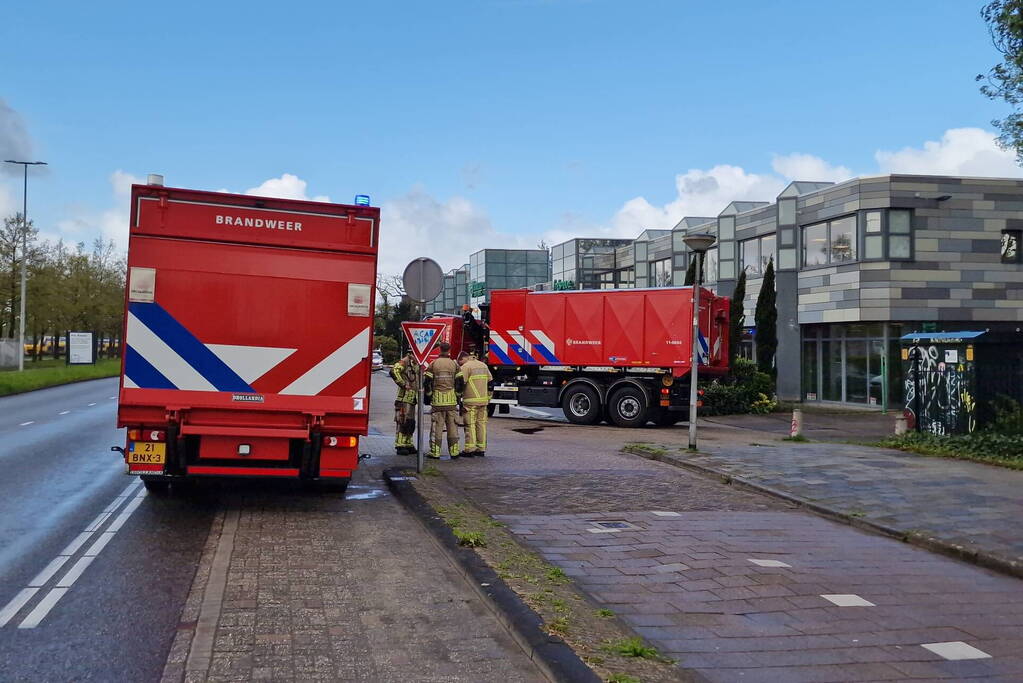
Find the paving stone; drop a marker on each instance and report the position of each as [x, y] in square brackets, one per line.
[731, 619]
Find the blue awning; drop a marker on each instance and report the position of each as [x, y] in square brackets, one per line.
[941, 336]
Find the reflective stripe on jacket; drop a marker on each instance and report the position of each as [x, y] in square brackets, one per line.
[477, 376]
[404, 373]
[442, 371]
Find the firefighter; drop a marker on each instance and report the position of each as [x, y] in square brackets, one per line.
[479, 385]
[404, 374]
[442, 388]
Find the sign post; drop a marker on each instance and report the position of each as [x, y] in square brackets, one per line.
[422, 337]
[424, 279]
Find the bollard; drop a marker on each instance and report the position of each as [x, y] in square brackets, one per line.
[900, 425]
[797, 423]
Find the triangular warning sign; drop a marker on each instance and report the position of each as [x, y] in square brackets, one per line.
[422, 337]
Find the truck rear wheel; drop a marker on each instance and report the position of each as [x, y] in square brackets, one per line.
[581, 404]
[628, 407]
[491, 409]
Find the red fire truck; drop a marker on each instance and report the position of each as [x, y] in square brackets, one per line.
[248, 330]
[616, 355]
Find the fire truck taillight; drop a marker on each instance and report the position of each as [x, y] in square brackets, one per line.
[340, 441]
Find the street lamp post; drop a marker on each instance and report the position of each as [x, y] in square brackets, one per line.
[24, 256]
[698, 243]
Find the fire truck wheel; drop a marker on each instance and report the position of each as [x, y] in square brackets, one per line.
[154, 485]
[491, 409]
[581, 404]
[628, 407]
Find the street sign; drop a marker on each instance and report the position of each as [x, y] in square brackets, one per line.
[423, 279]
[81, 348]
[422, 337]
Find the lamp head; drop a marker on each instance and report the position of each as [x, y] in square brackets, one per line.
[699, 242]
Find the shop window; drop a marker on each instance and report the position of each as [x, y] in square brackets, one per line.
[1010, 246]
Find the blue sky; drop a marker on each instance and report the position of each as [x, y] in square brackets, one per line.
[487, 122]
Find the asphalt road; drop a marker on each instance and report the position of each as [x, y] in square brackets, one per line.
[93, 572]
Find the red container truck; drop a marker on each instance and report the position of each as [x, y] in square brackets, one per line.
[617, 355]
[248, 332]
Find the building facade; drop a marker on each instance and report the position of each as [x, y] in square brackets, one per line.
[858, 264]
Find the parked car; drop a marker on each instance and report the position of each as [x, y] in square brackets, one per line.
[378, 360]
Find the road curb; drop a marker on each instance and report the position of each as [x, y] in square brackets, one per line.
[551, 654]
[981, 558]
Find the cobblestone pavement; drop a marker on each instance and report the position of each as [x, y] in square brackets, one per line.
[966, 503]
[320, 588]
[675, 558]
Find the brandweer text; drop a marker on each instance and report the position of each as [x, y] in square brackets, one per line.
[259, 223]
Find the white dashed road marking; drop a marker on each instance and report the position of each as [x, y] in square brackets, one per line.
[64, 412]
[91, 404]
[770, 563]
[848, 600]
[539, 413]
[956, 650]
[25, 424]
[131, 497]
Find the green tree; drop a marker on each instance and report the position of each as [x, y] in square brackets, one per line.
[1004, 81]
[12, 236]
[766, 319]
[691, 272]
[736, 319]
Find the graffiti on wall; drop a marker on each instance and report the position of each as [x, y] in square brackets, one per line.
[938, 392]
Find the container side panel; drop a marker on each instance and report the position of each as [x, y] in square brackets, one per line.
[584, 329]
[507, 344]
[545, 327]
[624, 330]
[669, 322]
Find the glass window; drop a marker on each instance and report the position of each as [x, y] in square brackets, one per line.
[874, 384]
[517, 269]
[815, 245]
[831, 370]
[810, 389]
[641, 251]
[678, 241]
[726, 251]
[768, 247]
[726, 228]
[1010, 246]
[496, 269]
[843, 239]
[787, 237]
[873, 247]
[751, 257]
[856, 376]
[710, 267]
[898, 246]
[517, 256]
[661, 273]
[898, 221]
[786, 211]
[872, 222]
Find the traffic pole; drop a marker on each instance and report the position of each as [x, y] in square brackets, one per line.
[419, 422]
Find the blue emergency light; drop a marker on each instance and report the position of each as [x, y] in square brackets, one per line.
[362, 200]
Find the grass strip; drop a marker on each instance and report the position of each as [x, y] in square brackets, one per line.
[14, 382]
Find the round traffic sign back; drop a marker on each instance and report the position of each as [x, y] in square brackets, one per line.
[423, 279]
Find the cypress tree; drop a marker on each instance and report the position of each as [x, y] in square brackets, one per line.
[691, 272]
[736, 318]
[766, 319]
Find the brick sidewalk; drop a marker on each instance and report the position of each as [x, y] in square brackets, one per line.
[966, 503]
[320, 588]
[686, 579]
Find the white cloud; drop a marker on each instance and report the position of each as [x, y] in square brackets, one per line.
[798, 166]
[288, 186]
[698, 193]
[961, 151]
[448, 231]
